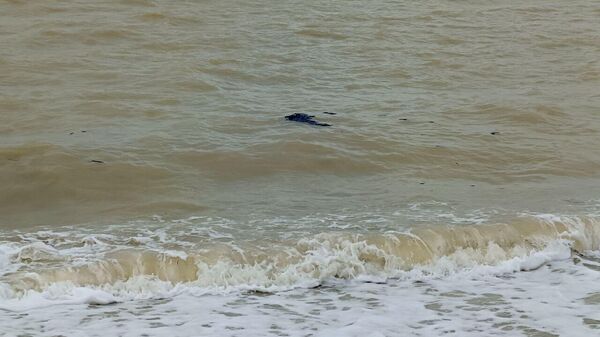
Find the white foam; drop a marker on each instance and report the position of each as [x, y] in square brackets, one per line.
[6, 251]
[342, 266]
[55, 295]
[550, 299]
[38, 251]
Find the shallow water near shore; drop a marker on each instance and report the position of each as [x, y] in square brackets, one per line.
[150, 183]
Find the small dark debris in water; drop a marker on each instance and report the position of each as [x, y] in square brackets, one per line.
[402, 119]
[98, 305]
[431, 122]
[258, 292]
[376, 282]
[472, 185]
[304, 118]
[96, 161]
[329, 113]
[71, 133]
[421, 183]
[419, 282]
[84, 131]
[494, 133]
[318, 286]
[457, 163]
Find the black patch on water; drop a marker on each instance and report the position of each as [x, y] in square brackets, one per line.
[304, 118]
[257, 292]
[96, 161]
[376, 282]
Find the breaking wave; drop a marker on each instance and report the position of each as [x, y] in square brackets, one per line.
[38, 273]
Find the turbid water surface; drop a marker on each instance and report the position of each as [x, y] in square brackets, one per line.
[150, 184]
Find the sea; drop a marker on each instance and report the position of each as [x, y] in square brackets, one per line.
[150, 184]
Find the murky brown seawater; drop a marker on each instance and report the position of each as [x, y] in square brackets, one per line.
[131, 129]
[185, 100]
